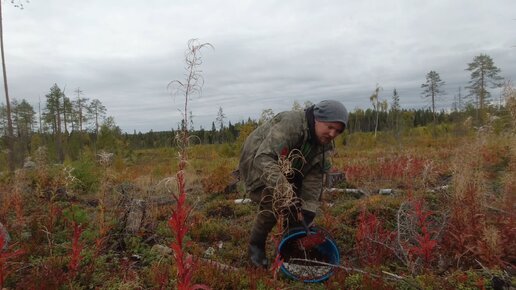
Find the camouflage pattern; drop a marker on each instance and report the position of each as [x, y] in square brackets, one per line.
[277, 138]
[264, 221]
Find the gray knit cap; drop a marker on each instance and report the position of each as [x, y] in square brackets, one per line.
[331, 111]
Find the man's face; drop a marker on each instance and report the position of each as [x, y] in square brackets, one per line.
[327, 131]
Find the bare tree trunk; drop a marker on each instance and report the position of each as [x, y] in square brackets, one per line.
[59, 141]
[433, 106]
[39, 116]
[10, 137]
[96, 124]
[377, 118]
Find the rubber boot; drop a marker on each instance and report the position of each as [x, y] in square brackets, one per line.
[263, 224]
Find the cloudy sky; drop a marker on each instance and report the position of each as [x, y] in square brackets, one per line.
[267, 54]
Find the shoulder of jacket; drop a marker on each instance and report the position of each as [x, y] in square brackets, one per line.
[297, 117]
[294, 125]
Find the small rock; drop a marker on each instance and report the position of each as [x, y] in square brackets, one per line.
[209, 252]
[161, 250]
[385, 191]
[136, 257]
[243, 200]
[29, 164]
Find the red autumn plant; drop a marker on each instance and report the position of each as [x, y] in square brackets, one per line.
[17, 203]
[178, 222]
[474, 233]
[161, 275]
[402, 171]
[277, 237]
[424, 241]
[4, 257]
[418, 230]
[75, 256]
[372, 240]
[481, 226]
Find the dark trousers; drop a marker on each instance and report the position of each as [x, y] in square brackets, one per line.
[265, 219]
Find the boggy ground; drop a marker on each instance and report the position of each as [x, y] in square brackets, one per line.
[448, 221]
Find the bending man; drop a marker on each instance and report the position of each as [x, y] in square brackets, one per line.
[306, 134]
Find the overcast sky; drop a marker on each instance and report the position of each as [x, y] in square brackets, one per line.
[267, 54]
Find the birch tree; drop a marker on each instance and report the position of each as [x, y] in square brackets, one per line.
[374, 98]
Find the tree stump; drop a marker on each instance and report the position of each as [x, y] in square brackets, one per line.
[135, 215]
[333, 178]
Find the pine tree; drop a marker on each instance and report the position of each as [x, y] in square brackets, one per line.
[484, 74]
[79, 110]
[52, 116]
[97, 112]
[433, 88]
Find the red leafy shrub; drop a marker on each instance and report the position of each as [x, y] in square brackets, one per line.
[401, 171]
[47, 273]
[372, 240]
[418, 236]
[75, 257]
[357, 173]
[4, 257]
[481, 227]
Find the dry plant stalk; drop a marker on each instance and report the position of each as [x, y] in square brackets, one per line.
[12, 200]
[480, 226]
[284, 197]
[105, 159]
[509, 93]
[178, 222]
[468, 178]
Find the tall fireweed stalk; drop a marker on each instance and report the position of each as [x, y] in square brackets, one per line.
[178, 222]
[75, 256]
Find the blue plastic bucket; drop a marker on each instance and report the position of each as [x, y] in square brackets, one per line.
[312, 265]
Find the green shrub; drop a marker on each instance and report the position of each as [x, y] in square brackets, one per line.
[229, 150]
[87, 174]
[211, 230]
[361, 140]
[221, 208]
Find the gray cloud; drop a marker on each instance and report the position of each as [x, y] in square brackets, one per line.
[267, 54]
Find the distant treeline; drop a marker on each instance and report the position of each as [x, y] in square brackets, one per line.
[69, 128]
[68, 142]
[359, 121]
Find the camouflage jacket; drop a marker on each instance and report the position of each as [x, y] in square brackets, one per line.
[287, 134]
